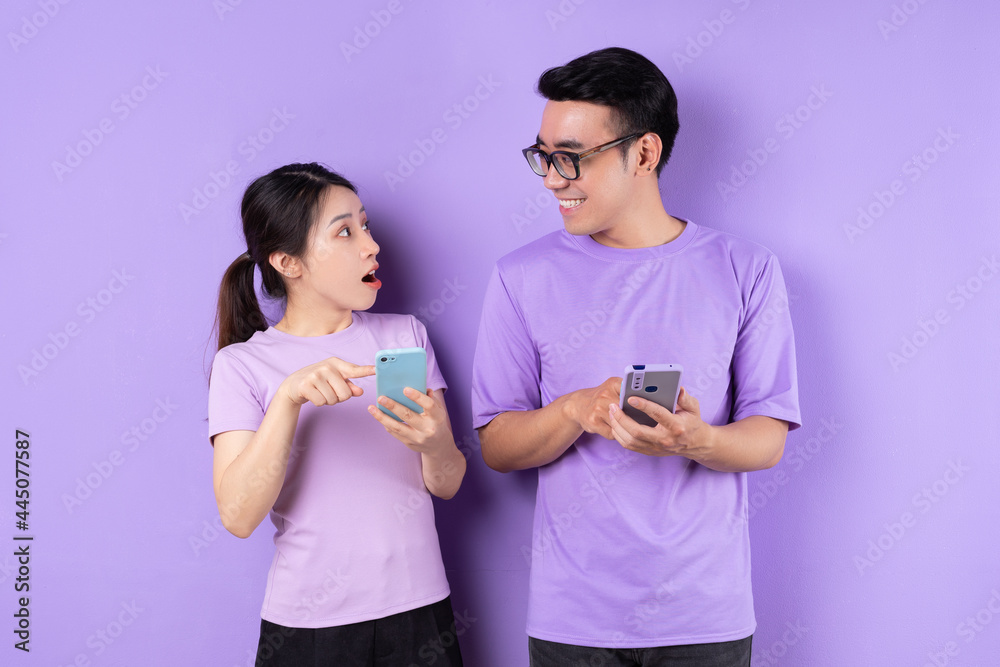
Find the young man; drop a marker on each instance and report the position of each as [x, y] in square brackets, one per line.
[641, 553]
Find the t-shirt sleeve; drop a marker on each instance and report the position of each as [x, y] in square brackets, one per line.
[506, 367]
[764, 376]
[234, 403]
[435, 379]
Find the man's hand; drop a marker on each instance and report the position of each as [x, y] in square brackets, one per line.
[589, 407]
[676, 434]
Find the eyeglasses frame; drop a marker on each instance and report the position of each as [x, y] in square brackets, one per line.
[574, 157]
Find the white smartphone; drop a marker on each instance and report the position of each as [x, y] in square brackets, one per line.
[659, 383]
[399, 368]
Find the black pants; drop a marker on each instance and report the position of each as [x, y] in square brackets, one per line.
[721, 654]
[423, 636]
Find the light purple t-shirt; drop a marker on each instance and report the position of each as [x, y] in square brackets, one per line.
[355, 537]
[632, 550]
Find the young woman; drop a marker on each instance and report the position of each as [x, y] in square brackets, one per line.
[357, 577]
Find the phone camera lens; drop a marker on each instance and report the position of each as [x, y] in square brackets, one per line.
[384, 359]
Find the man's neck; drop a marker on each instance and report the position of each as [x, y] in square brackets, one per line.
[642, 229]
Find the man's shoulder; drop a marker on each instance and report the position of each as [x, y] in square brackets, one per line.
[731, 244]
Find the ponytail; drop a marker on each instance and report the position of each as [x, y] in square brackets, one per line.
[239, 315]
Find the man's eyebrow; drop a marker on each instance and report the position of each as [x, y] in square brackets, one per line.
[571, 144]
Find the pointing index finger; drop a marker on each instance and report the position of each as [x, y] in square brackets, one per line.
[349, 370]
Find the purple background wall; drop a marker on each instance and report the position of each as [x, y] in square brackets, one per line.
[857, 140]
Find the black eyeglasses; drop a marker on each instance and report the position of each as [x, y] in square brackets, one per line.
[567, 164]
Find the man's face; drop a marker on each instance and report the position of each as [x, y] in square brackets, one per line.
[594, 202]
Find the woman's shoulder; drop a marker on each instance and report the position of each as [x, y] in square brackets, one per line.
[395, 329]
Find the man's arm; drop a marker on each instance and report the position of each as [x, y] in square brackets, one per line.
[752, 443]
[517, 440]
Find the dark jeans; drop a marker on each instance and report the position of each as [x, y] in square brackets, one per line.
[721, 654]
[423, 636]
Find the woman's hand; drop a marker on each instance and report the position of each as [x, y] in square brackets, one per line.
[427, 432]
[325, 383]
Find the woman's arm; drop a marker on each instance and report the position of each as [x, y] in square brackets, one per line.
[428, 433]
[248, 468]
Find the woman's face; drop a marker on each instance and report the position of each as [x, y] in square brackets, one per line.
[339, 264]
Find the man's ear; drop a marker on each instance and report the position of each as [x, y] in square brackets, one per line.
[649, 149]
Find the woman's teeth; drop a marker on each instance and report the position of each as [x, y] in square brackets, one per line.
[570, 203]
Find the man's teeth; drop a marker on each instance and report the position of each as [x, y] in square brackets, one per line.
[570, 203]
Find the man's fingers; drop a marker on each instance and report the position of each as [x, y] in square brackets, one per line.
[686, 401]
[659, 413]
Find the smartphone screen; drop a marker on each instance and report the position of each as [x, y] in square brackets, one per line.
[399, 368]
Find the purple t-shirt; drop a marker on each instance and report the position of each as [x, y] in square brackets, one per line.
[632, 550]
[355, 537]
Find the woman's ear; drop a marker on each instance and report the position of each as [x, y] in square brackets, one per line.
[285, 264]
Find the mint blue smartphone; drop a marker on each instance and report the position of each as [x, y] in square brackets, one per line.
[398, 368]
[659, 383]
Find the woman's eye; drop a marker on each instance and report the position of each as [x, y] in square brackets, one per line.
[366, 226]
[346, 231]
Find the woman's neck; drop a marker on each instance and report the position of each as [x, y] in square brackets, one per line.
[299, 323]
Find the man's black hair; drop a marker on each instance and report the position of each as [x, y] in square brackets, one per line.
[639, 96]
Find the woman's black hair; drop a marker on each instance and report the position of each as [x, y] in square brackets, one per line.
[278, 212]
